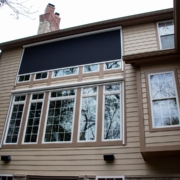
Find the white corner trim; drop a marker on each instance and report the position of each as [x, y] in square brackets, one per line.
[83, 83]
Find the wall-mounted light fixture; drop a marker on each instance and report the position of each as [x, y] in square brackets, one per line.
[109, 157]
[6, 158]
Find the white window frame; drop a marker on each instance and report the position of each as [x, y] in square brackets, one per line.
[98, 64]
[151, 99]
[97, 100]
[41, 78]
[120, 60]
[47, 111]
[27, 116]
[110, 177]
[65, 75]
[6, 175]
[23, 81]
[9, 117]
[121, 111]
[159, 36]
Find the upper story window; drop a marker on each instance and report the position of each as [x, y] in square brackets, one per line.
[33, 121]
[24, 78]
[166, 34]
[112, 65]
[60, 116]
[65, 72]
[164, 100]
[112, 113]
[15, 119]
[88, 117]
[91, 68]
[42, 75]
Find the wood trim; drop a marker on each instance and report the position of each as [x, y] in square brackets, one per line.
[31, 81]
[157, 36]
[77, 116]
[49, 78]
[100, 113]
[160, 70]
[140, 110]
[80, 74]
[101, 69]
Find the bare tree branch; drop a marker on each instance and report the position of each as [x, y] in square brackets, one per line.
[18, 8]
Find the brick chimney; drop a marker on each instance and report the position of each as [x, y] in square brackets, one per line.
[49, 21]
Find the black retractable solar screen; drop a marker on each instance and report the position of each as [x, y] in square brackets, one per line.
[87, 49]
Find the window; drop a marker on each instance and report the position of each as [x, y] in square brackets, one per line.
[65, 72]
[91, 68]
[6, 177]
[166, 34]
[24, 78]
[109, 178]
[42, 75]
[60, 116]
[88, 117]
[112, 65]
[34, 117]
[164, 101]
[15, 119]
[112, 115]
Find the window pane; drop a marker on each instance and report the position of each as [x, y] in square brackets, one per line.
[65, 72]
[14, 124]
[91, 68]
[63, 93]
[33, 122]
[59, 122]
[112, 65]
[162, 85]
[89, 90]
[167, 41]
[88, 119]
[165, 112]
[114, 87]
[112, 117]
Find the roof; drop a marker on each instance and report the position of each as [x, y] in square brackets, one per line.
[143, 18]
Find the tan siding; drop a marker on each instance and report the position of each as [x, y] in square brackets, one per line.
[138, 39]
[160, 138]
[8, 69]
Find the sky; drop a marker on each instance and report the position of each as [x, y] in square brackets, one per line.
[73, 13]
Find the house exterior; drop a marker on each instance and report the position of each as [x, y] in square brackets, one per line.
[98, 101]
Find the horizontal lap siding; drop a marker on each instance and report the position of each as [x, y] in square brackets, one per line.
[139, 39]
[160, 138]
[9, 63]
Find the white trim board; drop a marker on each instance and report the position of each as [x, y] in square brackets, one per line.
[83, 83]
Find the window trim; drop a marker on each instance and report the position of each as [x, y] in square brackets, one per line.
[9, 116]
[27, 115]
[98, 64]
[17, 80]
[52, 76]
[150, 119]
[151, 100]
[41, 78]
[159, 36]
[46, 116]
[122, 104]
[79, 120]
[104, 66]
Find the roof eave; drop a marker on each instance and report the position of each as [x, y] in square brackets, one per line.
[123, 21]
